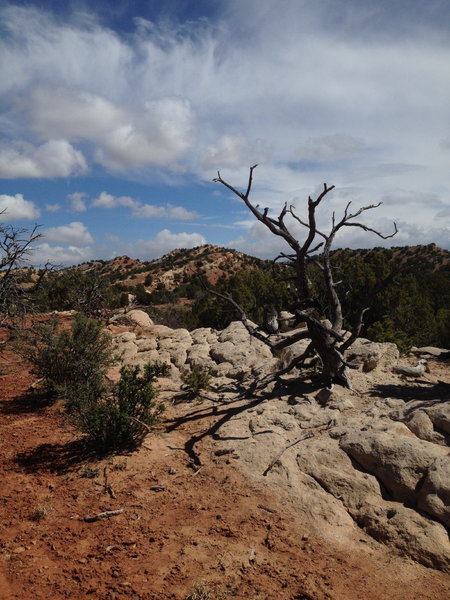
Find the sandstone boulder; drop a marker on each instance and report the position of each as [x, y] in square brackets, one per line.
[399, 461]
[434, 495]
[139, 317]
[440, 416]
[369, 355]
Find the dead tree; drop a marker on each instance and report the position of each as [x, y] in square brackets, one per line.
[327, 341]
[15, 248]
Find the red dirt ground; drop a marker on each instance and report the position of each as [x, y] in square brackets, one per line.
[211, 526]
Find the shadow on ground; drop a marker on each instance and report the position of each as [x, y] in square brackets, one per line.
[56, 458]
[27, 403]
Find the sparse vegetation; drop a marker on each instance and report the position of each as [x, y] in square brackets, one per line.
[40, 512]
[196, 380]
[69, 361]
[122, 417]
[89, 472]
[201, 591]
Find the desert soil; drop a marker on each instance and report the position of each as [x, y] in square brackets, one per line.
[210, 534]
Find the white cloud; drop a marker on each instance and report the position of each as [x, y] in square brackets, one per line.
[158, 136]
[164, 242]
[15, 208]
[75, 233]
[234, 151]
[169, 211]
[77, 202]
[61, 255]
[324, 91]
[145, 211]
[54, 158]
[148, 211]
[155, 133]
[106, 200]
[53, 207]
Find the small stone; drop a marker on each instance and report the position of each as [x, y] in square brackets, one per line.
[157, 488]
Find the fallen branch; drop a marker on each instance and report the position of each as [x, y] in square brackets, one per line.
[304, 436]
[104, 515]
[107, 485]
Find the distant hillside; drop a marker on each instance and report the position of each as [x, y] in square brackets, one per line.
[175, 268]
[430, 257]
[414, 310]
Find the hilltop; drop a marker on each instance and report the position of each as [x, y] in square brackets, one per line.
[215, 262]
[174, 268]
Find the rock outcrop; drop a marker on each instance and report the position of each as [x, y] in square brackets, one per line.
[374, 462]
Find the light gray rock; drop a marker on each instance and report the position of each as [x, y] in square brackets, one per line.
[431, 351]
[140, 318]
[203, 335]
[416, 536]
[390, 522]
[126, 336]
[126, 352]
[286, 320]
[235, 333]
[372, 355]
[422, 426]
[333, 470]
[296, 349]
[161, 331]
[434, 495]
[146, 344]
[440, 416]
[396, 457]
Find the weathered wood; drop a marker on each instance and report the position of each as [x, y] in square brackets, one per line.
[326, 341]
[104, 515]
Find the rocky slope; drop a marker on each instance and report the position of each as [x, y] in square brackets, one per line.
[374, 459]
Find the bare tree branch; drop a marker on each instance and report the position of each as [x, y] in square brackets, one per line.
[326, 341]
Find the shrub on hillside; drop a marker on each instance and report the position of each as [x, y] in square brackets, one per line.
[122, 418]
[68, 358]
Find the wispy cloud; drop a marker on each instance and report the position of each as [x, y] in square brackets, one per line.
[351, 93]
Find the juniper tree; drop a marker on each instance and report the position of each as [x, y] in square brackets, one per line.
[326, 339]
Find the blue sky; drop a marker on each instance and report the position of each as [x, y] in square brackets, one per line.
[115, 120]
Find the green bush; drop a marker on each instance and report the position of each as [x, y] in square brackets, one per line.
[385, 331]
[196, 380]
[75, 357]
[122, 418]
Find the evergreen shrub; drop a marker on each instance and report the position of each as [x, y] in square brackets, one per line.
[120, 419]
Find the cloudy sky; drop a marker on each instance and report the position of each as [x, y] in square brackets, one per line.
[115, 120]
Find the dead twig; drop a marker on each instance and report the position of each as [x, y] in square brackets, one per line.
[104, 515]
[304, 436]
[107, 485]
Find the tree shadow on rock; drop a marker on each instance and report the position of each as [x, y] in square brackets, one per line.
[224, 412]
[425, 391]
